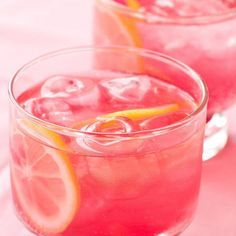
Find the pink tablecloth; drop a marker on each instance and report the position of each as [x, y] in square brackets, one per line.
[29, 28]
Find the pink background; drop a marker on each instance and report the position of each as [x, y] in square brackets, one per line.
[30, 28]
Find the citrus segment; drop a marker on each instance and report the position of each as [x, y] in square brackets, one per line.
[45, 185]
[118, 29]
[44, 135]
[137, 114]
[125, 32]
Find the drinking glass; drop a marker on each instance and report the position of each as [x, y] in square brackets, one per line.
[67, 181]
[206, 43]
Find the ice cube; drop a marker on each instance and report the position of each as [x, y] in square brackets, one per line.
[61, 86]
[90, 96]
[79, 91]
[55, 110]
[124, 177]
[127, 89]
[98, 144]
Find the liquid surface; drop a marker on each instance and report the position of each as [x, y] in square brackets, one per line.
[69, 100]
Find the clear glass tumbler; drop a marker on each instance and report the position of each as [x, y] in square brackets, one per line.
[69, 181]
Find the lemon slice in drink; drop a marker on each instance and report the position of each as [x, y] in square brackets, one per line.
[45, 186]
[125, 32]
[133, 114]
[137, 114]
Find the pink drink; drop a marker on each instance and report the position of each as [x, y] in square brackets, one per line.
[131, 165]
[199, 33]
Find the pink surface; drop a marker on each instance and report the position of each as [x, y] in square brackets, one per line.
[30, 28]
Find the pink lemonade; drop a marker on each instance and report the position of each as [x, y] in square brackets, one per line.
[199, 33]
[105, 153]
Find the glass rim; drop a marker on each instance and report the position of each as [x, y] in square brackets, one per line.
[181, 20]
[68, 131]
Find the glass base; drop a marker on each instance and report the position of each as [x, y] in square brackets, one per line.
[216, 136]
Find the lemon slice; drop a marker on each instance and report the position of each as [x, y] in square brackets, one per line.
[137, 114]
[126, 32]
[133, 114]
[45, 186]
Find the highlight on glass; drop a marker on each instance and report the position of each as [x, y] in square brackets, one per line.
[106, 141]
